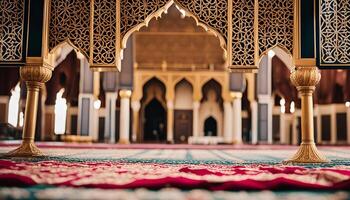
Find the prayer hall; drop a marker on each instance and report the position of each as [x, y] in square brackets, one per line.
[175, 99]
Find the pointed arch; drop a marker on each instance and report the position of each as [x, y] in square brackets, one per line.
[59, 53]
[281, 52]
[159, 13]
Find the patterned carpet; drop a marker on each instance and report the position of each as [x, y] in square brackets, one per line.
[151, 171]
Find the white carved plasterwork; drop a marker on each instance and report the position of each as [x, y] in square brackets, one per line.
[276, 24]
[243, 33]
[70, 20]
[334, 32]
[11, 30]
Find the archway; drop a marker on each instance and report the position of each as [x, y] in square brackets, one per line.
[211, 106]
[155, 122]
[183, 114]
[153, 118]
[210, 127]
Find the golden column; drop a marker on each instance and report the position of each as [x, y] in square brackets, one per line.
[305, 79]
[34, 77]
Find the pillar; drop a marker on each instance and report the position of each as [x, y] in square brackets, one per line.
[124, 123]
[254, 107]
[236, 117]
[34, 77]
[348, 122]
[111, 98]
[135, 106]
[196, 105]
[228, 122]
[170, 121]
[305, 79]
[284, 133]
[86, 115]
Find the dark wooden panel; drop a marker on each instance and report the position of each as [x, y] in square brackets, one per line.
[342, 128]
[74, 125]
[183, 125]
[3, 113]
[101, 129]
[326, 127]
[276, 128]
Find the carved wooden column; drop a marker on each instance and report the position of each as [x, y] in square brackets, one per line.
[35, 77]
[305, 79]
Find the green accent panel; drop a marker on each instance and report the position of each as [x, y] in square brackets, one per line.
[35, 28]
[307, 28]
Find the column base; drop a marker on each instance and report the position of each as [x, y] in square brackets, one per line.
[27, 149]
[123, 141]
[307, 153]
[234, 142]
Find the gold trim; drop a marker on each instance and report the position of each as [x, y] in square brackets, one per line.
[256, 32]
[229, 34]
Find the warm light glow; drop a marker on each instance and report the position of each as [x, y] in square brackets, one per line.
[21, 119]
[292, 107]
[60, 113]
[12, 117]
[283, 105]
[271, 53]
[347, 104]
[97, 104]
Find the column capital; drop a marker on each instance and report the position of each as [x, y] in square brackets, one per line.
[125, 93]
[305, 79]
[35, 75]
[236, 95]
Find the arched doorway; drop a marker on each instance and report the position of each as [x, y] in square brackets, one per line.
[153, 112]
[210, 127]
[211, 107]
[155, 122]
[183, 111]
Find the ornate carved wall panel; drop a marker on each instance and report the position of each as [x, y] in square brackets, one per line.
[134, 12]
[70, 20]
[104, 32]
[334, 32]
[275, 24]
[11, 30]
[183, 52]
[243, 33]
[210, 13]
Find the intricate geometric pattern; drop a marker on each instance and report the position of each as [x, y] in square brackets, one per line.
[70, 20]
[11, 30]
[211, 13]
[130, 175]
[134, 12]
[275, 24]
[243, 32]
[104, 32]
[335, 31]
